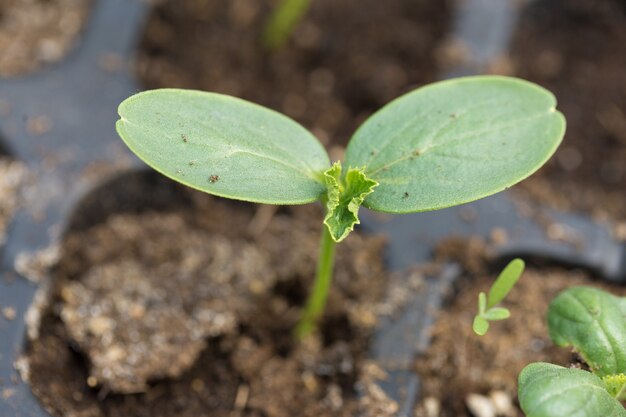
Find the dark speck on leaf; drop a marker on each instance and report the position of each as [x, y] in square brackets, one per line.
[373, 153]
[185, 139]
[192, 163]
[385, 168]
[405, 195]
[214, 178]
[453, 115]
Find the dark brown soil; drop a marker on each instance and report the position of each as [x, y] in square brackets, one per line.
[459, 366]
[34, 33]
[576, 49]
[189, 312]
[345, 60]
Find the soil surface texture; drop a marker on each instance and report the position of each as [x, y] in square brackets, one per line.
[461, 370]
[12, 174]
[345, 59]
[34, 33]
[189, 313]
[576, 49]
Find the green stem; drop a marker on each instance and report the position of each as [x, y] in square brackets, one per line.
[317, 299]
[282, 22]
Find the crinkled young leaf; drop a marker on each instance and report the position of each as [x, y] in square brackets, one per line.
[345, 196]
[616, 385]
[593, 322]
[505, 282]
[224, 146]
[455, 141]
[547, 390]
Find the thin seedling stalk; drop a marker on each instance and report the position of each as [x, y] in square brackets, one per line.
[316, 302]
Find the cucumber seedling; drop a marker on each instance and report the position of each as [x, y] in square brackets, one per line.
[488, 309]
[593, 323]
[444, 144]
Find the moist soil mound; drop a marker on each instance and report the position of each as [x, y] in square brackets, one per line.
[34, 33]
[575, 48]
[460, 365]
[189, 312]
[345, 59]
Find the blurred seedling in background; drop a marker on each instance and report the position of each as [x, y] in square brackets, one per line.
[283, 21]
[441, 145]
[488, 309]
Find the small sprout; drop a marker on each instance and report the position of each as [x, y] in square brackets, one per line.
[487, 310]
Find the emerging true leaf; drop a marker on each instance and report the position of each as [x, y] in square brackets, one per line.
[455, 141]
[505, 282]
[616, 385]
[547, 390]
[224, 146]
[593, 322]
[345, 196]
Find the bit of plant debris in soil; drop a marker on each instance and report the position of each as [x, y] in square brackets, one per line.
[578, 53]
[461, 370]
[34, 33]
[12, 173]
[187, 313]
[339, 66]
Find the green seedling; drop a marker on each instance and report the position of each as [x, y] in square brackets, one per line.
[593, 323]
[444, 144]
[488, 309]
[282, 22]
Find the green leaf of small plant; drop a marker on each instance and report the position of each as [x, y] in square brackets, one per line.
[497, 313]
[505, 281]
[224, 146]
[455, 141]
[482, 303]
[345, 196]
[480, 326]
[547, 390]
[593, 322]
[487, 310]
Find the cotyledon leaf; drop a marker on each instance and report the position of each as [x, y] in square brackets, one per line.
[455, 141]
[593, 322]
[224, 146]
[547, 390]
